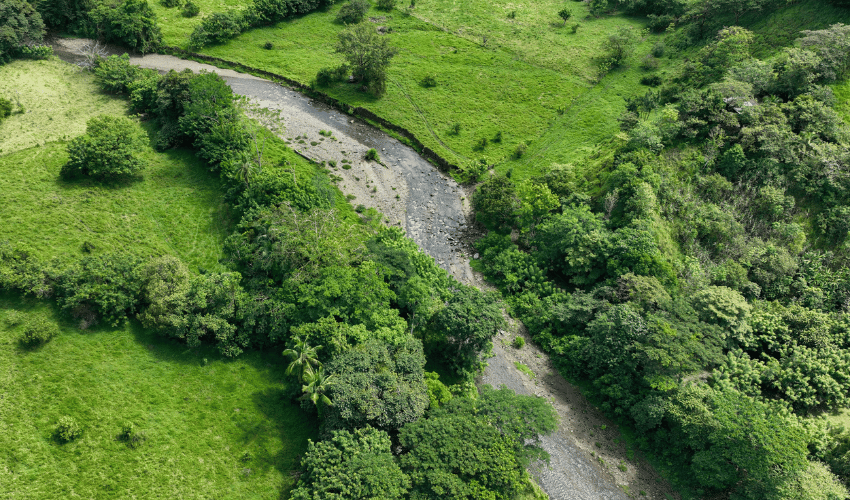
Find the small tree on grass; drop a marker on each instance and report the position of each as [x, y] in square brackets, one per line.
[565, 14]
[387, 5]
[352, 12]
[368, 54]
[109, 149]
[38, 333]
[620, 45]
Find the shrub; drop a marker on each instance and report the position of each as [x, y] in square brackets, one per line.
[131, 436]
[115, 73]
[109, 149]
[20, 25]
[658, 49]
[36, 51]
[519, 343]
[520, 150]
[456, 129]
[386, 4]
[481, 144]
[372, 155]
[429, 81]
[171, 3]
[191, 9]
[498, 137]
[5, 108]
[268, 46]
[38, 333]
[325, 77]
[217, 28]
[352, 12]
[132, 23]
[104, 286]
[649, 63]
[368, 54]
[650, 81]
[67, 429]
[576, 26]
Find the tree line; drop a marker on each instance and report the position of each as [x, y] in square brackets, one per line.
[699, 283]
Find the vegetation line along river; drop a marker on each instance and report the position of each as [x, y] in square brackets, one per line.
[433, 210]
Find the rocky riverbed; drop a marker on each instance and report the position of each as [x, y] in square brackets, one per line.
[589, 459]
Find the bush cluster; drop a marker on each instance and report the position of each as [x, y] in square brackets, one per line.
[38, 333]
[67, 429]
[222, 26]
[109, 149]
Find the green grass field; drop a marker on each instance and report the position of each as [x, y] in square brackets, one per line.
[520, 82]
[215, 429]
[175, 208]
[500, 67]
[176, 28]
[50, 92]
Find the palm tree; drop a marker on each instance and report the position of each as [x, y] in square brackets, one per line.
[317, 386]
[304, 358]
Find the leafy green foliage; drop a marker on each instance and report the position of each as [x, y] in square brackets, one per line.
[217, 28]
[352, 12]
[109, 149]
[466, 326]
[283, 243]
[38, 332]
[469, 449]
[131, 22]
[378, 384]
[102, 287]
[304, 359]
[22, 26]
[496, 203]
[368, 54]
[575, 242]
[350, 465]
[67, 429]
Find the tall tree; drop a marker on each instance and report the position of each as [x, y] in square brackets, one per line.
[304, 358]
[368, 53]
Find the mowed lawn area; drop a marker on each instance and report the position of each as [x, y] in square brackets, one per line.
[214, 428]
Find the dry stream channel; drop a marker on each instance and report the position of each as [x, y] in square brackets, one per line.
[588, 458]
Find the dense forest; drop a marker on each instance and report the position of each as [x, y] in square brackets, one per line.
[690, 273]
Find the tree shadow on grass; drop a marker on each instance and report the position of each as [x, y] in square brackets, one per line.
[294, 427]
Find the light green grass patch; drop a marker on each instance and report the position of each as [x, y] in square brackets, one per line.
[486, 88]
[176, 28]
[176, 208]
[842, 99]
[525, 369]
[58, 99]
[201, 415]
[536, 34]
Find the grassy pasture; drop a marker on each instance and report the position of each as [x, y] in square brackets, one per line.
[50, 92]
[486, 88]
[175, 207]
[176, 28]
[215, 429]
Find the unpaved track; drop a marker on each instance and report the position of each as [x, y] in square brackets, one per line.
[433, 210]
